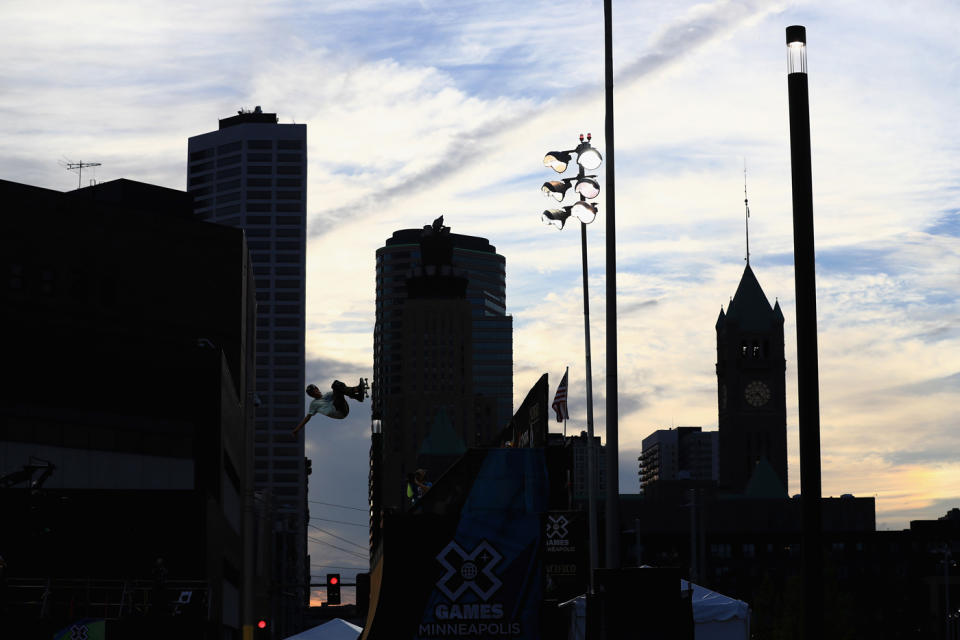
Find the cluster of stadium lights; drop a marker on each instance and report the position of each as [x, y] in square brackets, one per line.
[588, 159]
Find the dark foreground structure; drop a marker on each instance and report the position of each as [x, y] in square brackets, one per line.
[126, 419]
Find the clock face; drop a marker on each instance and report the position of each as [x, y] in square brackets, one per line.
[757, 393]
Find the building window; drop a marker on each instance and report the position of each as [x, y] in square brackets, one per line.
[259, 157]
[290, 144]
[228, 173]
[287, 308]
[228, 161]
[259, 144]
[201, 154]
[230, 146]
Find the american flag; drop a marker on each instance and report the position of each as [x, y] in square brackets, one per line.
[560, 400]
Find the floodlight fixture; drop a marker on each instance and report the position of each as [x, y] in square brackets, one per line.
[557, 160]
[588, 157]
[587, 187]
[556, 217]
[556, 188]
[585, 212]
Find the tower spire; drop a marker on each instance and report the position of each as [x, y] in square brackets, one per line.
[746, 205]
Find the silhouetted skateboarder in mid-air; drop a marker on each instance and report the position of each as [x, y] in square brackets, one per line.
[333, 404]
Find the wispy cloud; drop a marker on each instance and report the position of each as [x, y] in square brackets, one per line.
[416, 109]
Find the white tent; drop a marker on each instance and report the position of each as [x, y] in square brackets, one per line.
[715, 616]
[336, 629]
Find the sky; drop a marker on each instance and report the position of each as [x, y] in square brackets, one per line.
[416, 109]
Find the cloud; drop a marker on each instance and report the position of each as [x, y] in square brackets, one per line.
[415, 110]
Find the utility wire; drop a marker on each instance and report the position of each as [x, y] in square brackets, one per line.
[340, 506]
[333, 535]
[353, 553]
[352, 524]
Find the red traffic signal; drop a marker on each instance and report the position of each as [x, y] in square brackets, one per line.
[262, 624]
[333, 588]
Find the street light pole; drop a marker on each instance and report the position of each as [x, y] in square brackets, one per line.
[591, 446]
[613, 481]
[585, 212]
[807, 367]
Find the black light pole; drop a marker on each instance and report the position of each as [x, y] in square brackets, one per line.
[613, 477]
[807, 368]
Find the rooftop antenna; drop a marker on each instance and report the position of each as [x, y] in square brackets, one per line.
[746, 205]
[70, 166]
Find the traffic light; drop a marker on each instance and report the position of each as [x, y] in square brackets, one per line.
[333, 588]
[261, 630]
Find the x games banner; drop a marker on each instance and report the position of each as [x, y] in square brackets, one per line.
[470, 564]
[565, 554]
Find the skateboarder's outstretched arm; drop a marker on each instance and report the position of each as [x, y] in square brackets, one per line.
[301, 424]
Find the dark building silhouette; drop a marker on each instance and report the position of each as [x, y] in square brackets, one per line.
[676, 460]
[251, 173]
[577, 446]
[743, 538]
[443, 363]
[126, 415]
[751, 387]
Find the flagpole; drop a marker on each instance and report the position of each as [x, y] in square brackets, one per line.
[566, 373]
[591, 447]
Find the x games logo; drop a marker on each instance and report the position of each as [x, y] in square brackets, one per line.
[557, 527]
[473, 571]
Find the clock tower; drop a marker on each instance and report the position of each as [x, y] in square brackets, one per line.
[751, 387]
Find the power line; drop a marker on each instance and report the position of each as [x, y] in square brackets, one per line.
[340, 506]
[353, 553]
[352, 524]
[333, 535]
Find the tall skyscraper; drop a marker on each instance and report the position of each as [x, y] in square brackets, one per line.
[443, 348]
[252, 173]
[751, 386]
